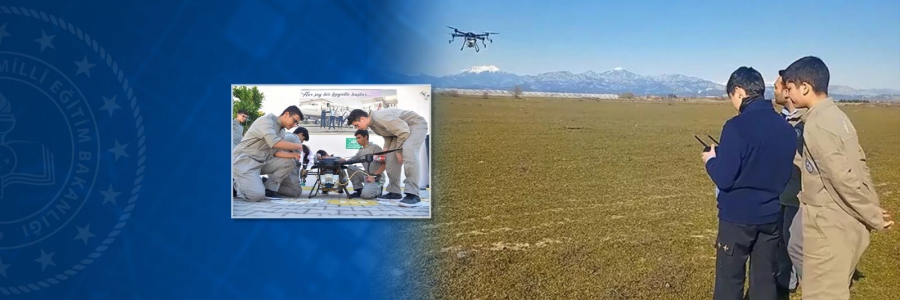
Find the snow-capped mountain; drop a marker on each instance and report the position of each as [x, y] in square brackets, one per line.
[479, 69]
[615, 81]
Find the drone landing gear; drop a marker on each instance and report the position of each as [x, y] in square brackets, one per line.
[318, 185]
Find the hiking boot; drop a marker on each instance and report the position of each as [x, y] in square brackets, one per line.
[410, 201]
[390, 197]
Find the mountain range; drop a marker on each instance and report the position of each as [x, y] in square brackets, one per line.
[615, 81]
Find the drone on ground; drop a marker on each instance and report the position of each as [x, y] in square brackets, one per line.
[471, 39]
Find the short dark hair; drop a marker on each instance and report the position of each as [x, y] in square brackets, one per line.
[322, 152]
[748, 79]
[242, 112]
[364, 133]
[305, 154]
[293, 110]
[302, 130]
[355, 115]
[810, 70]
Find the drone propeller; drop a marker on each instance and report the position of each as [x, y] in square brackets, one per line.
[491, 33]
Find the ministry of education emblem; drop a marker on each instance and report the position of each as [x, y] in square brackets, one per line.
[72, 150]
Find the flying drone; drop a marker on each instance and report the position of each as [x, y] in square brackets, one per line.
[471, 39]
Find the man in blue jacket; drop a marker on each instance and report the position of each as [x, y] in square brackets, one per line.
[751, 167]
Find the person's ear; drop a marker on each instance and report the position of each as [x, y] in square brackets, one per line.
[739, 93]
[805, 88]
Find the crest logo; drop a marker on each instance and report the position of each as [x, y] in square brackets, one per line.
[71, 150]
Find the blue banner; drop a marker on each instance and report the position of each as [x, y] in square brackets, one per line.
[115, 149]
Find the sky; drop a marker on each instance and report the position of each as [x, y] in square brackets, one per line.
[858, 40]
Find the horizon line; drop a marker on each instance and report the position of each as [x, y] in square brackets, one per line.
[623, 69]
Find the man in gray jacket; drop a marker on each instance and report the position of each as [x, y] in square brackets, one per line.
[254, 155]
[237, 127]
[367, 181]
[400, 129]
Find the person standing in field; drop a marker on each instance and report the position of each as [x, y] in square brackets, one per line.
[790, 252]
[750, 171]
[838, 199]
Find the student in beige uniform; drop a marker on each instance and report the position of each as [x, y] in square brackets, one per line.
[368, 180]
[254, 155]
[289, 186]
[838, 199]
[237, 129]
[401, 129]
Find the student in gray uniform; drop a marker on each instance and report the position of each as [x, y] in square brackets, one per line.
[290, 186]
[367, 181]
[237, 129]
[400, 129]
[254, 155]
[306, 154]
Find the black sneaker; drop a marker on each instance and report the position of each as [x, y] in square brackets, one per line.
[356, 194]
[410, 201]
[272, 195]
[390, 197]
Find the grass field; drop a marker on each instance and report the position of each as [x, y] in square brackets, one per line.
[587, 199]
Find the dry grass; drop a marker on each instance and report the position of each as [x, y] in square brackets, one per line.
[553, 198]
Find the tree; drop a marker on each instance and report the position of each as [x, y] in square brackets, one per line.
[628, 95]
[517, 92]
[484, 95]
[673, 96]
[249, 100]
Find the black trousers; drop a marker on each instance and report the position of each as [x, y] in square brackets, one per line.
[736, 243]
[785, 266]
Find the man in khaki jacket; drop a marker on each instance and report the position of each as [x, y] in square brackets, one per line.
[367, 181]
[237, 129]
[255, 155]
[838, 198]
[400, 129]
[290, 185]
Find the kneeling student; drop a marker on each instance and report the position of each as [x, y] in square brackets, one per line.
[290, 186]
[367, 181]
[254, 155]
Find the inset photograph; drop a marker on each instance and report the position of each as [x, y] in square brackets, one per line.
[331, 151]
